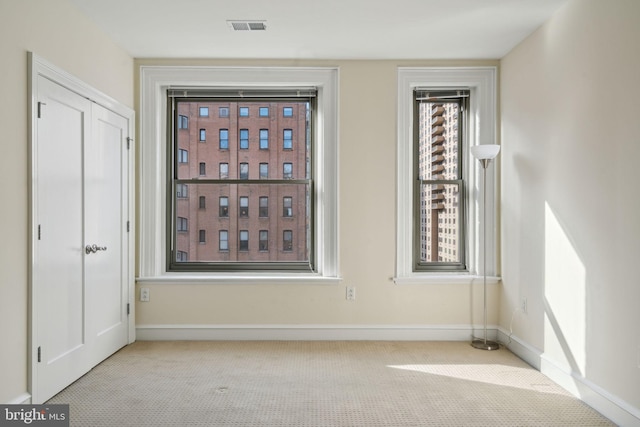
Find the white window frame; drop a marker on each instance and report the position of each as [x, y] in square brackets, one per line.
[154, 82]
[481, 82]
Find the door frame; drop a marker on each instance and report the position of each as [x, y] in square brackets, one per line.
[37, 67]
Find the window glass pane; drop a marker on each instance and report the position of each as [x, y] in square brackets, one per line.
[287, 240]
[263, 207]
[244, 139]
[287, 139]
[223, 112]
[244, 206]
[287, 204]
[182, 191]
[287, 112]
[287, 171]
[224, 240]
[224, 170]
[439, 225]
[224, 207]
[244, 171]
[244, 240]
[244, 111]
[264, 111]
[439, 141]
[202, 202]
[204, 111]
[264, 240]
[183, 122]
[264, 139]
[264, 170]
[203, 135]
[224, 139]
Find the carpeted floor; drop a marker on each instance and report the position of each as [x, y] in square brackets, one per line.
[319, 383]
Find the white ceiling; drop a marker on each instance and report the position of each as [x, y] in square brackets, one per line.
[320, 29]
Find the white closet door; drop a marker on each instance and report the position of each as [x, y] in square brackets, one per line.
[80, 291]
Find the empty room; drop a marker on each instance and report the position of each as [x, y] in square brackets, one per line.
[336, 213]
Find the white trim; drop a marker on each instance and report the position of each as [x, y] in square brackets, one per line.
[238, 279]
[155, 80]
[440, 278]
[609, 405]
[481, 81]
[310, 332]
[23, 399]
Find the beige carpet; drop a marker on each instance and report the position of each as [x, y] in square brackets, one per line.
[342, 383]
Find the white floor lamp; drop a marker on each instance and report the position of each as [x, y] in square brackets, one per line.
[485, 153]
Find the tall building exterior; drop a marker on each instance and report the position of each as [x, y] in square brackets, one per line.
[439, 202]
[246, 141]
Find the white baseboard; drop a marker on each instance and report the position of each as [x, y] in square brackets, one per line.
[23, 399]
[308, 332]
[612, 407]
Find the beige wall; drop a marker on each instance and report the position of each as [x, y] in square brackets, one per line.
[571, 205]
[54, 30]
[367, 238]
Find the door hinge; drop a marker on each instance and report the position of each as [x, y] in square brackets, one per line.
[128, 309]
[128, 226]
[39, 232]
[40, 104]
[39, 354]
[129, 142]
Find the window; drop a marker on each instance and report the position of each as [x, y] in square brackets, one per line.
[183, 122]
[264, 111]
[287, 139]
[181, 256]
[244, 139]
[182, 224]
[182, 191]
[441, 114]
[202, 202]
[263, 244]
[287, 240]
[287, 170]
[223, 211]
[264, 139]
[263, 207]
[264, 170]
[243, 244]
[244, 170]
[244, 207]
[202, 236]
[204, 112]
[223, 112]
[243, 111]
[203, 135]
[224, 139]
[315, 247]
[287, 207]
[203, 168]
[224, 170]
[287, 112]
[223, 236]
[183, 156]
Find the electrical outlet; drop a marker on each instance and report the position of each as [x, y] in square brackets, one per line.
[351, 293]
[523, 305]
[144, 294]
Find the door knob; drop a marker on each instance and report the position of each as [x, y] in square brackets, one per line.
[92, 249]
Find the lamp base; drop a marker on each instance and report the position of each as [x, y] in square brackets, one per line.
[481, 344]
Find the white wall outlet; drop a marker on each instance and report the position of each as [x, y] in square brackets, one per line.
[144, 294]
[351, 293]
[523, 305]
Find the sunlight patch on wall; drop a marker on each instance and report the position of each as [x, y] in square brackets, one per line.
[564, 299]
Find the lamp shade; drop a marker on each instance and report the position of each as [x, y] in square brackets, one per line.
[485, 151]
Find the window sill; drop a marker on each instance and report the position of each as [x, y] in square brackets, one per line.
[439, 278]
[239, 279]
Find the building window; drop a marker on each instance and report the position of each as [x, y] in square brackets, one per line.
[243, 240]
[287, 139]
[316, 241]
[223, 237]
[203, 135]
[263, 208]
[223, 112]
[224, 170]
[287, 170]
[287, 240]
[287, 207]
[264, 111]
[223, 211]
[203, 168]
[183, 156]
[181, 256]
[182, 191]
[204, 111]
[243, 111]
[287, 112]
[202, 202]
[264, 139]
[182, 224]
[244, 171]
[202, 236]
[437, 214]
[263, 244]
[224, 139]
[264, 170]
[244, 139]
[183, 122]
[244, 207]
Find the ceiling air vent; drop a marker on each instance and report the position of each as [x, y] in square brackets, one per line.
[248, 25]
